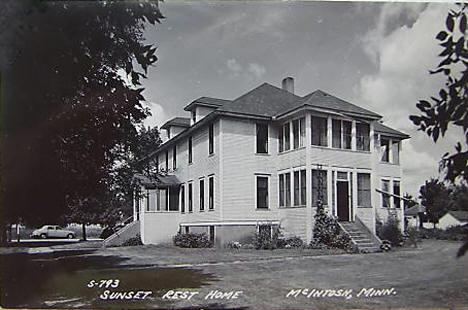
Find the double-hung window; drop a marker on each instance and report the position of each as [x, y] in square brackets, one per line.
[362, 137]
[211, 139]
[396, 152]
[319, 187]
[298, 127]
[174, 157]
[190, 150]
[182, 198]
[396, 192]
[211, 193]
[285, 189]
[202, 195]
[385, 195]
[167, 160]
[364, 189]
[319, 131]
[341, 134]
[262, 138]
[190, 197]
[299, 180]
[262, 192]
[384, 150]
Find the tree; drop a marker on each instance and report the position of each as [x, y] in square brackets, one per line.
[435, 196]
[72, 99]
[450, 107]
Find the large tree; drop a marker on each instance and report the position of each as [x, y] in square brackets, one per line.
[435, 196]
[450, 107]
[71, 102]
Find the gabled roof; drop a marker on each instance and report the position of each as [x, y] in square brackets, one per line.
[387, 131]
[206, 101]
[264, 100]
[462, 216]
[414, 210]
[323, 100]
[177, 121]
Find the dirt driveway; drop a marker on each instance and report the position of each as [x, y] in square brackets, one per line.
[429, 276]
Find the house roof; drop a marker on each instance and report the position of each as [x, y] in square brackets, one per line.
[206, 101]
[264, 100]
[323, 100]
[387, 131]
[177, 121]
[462, 216]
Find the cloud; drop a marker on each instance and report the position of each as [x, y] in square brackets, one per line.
[252, 71]
[257, 70]
[158, 115]
[404, 49]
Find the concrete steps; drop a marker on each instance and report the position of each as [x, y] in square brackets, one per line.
[361, 237]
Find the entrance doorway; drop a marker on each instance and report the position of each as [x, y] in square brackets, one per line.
[342, 200]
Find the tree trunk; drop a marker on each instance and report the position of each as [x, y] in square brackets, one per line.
[18, 237]
[83, 228]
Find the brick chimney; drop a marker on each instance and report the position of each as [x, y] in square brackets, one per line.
[288, 84]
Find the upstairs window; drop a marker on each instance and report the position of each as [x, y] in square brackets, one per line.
[202, 195]
[190, 150]
[362, 137]
[396, 152]
[287, 137]
[319, 131]
[364, 189]
[384, 150]
[167, 160]
[396, 192]
[341, 134]
[262, 138]
[211, 139]
[298, 127]
[174, 157]
[262, 192]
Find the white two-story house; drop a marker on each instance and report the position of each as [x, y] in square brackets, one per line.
[237, 166]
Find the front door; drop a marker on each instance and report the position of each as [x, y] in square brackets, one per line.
[342, 200]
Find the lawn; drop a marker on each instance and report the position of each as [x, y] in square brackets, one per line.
[429, 276]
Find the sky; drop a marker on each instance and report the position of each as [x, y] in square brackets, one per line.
[375, 55]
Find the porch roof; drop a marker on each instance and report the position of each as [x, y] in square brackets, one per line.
[156, 181]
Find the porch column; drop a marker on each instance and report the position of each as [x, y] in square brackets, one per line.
[309, 214]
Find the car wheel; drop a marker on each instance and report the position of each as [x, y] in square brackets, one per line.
[70, 236]
[43, 236]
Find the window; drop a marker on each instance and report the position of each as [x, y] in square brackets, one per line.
[262, 192]
[281, 140]
[281, 190]
[211, 193]
[190, 150]
[262, 138]
[285, 189]
[385, 195]
[163, 197]
[396, 152]
[364, 189]
[396, 192]
[211, 139]
[190, 197]
[167, 160]
[347, 135]
[202, 195]
[174, 157]
[287, 137]
[182, 198]
[319, 176]
[341, 134]
[301, 131]
[194, 117]
[384, 150]
[299, 181]
[298, 130]
[336, 133]
[362, 137]
[319, 131]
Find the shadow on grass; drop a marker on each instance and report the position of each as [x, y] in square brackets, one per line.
[61, 279]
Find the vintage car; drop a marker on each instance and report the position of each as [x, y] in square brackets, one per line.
[52, 231]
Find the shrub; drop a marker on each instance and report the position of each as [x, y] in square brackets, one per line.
[192, 240]
[293, 242]
[234, 245]
[268, 240]
[456, 233]
[391, 232]
[133, 241]
[327, 233]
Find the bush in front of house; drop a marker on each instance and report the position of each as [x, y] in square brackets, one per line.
[192, 240]
[456, 233]
[268, 240]
[234, 245]
[133, 241]
[293, 242]
[391, 232]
